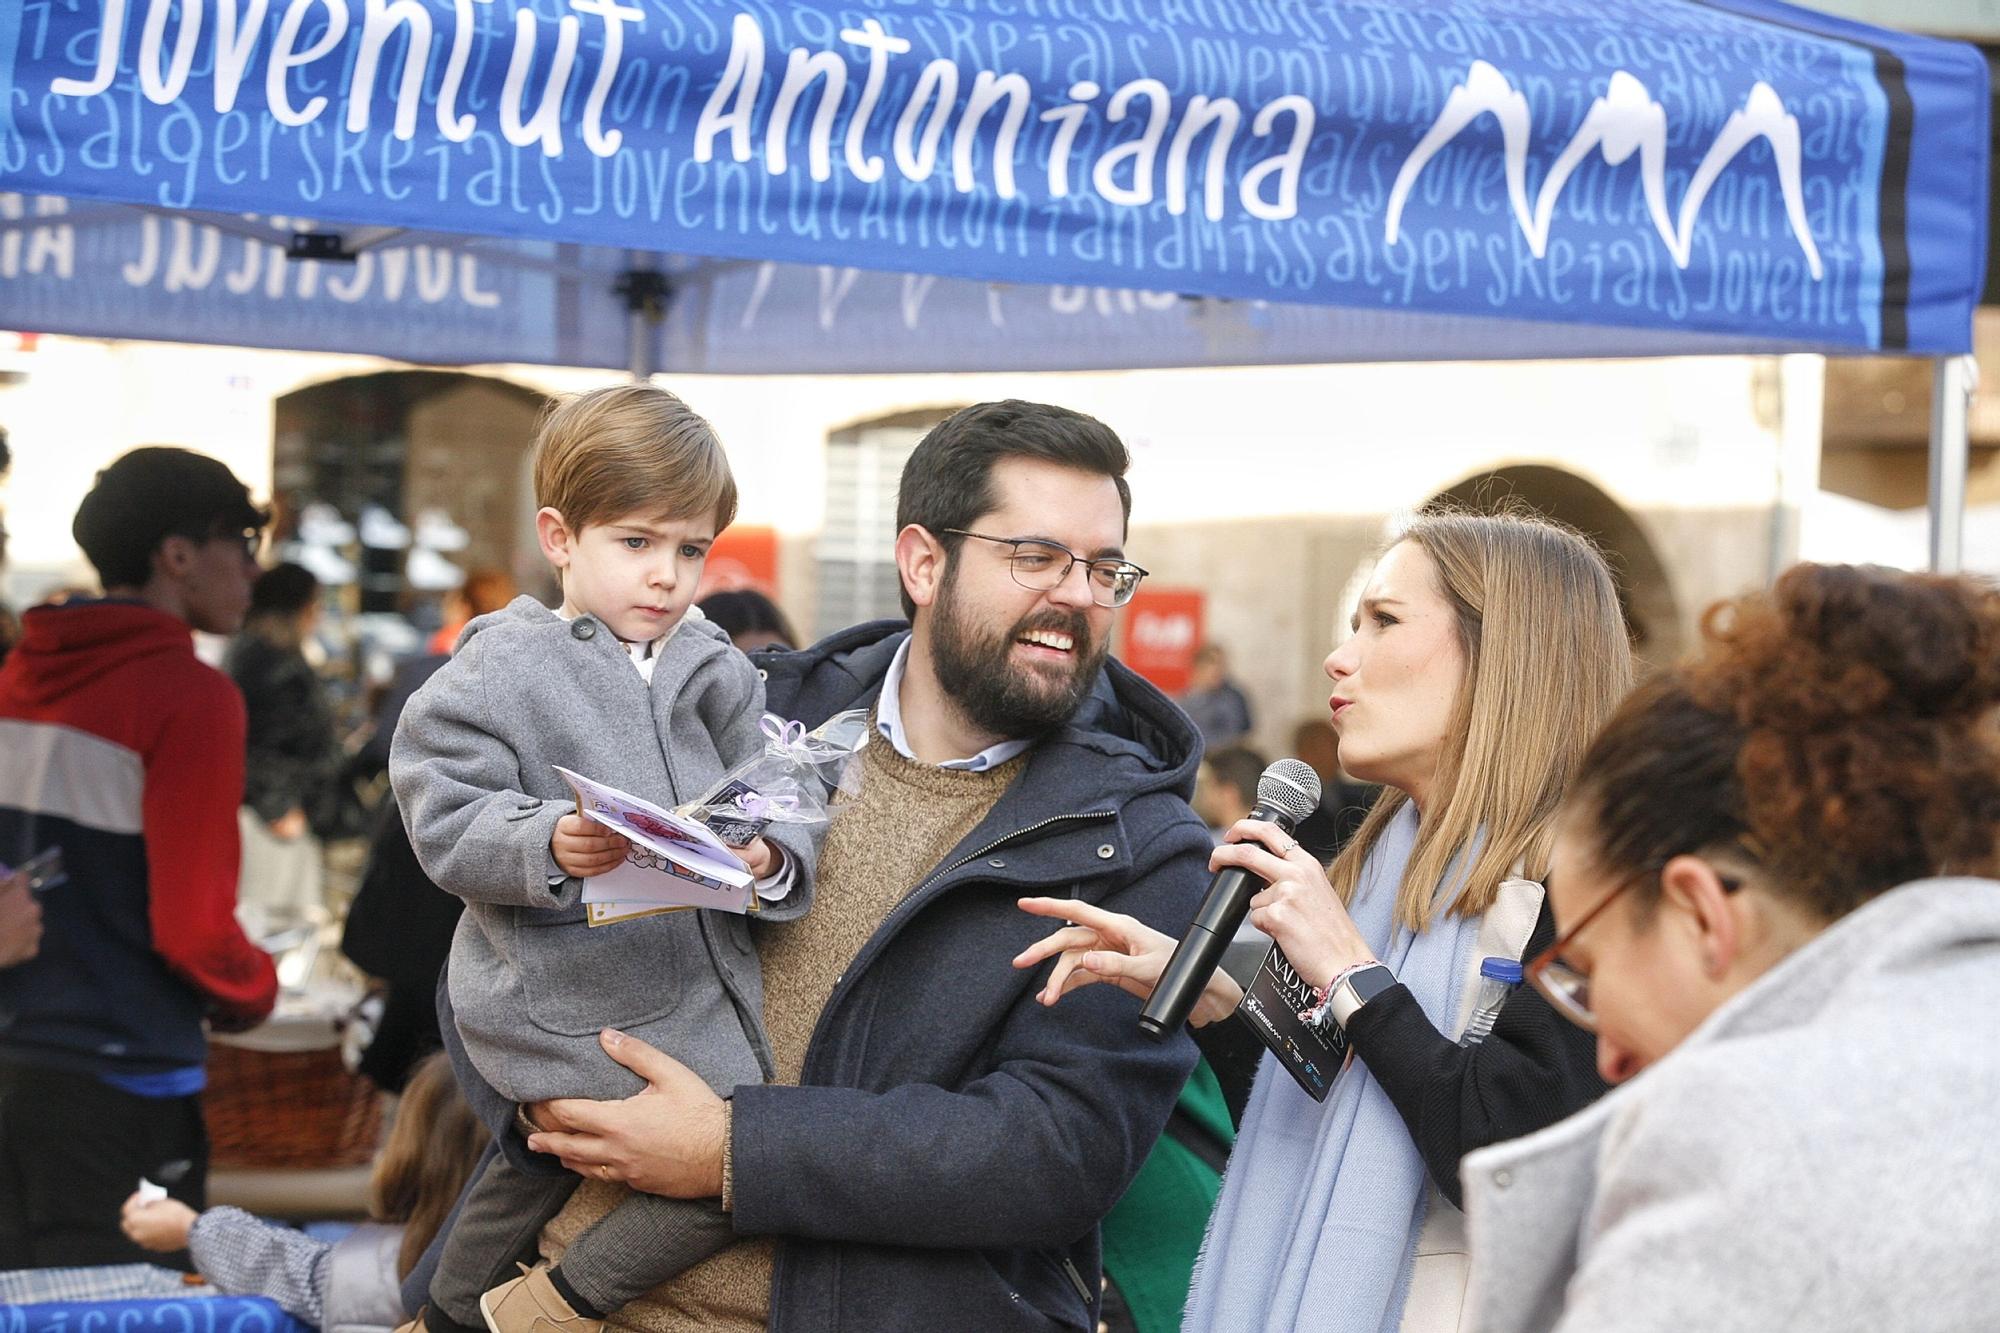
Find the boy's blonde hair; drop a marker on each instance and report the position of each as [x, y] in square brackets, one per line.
[630, 449]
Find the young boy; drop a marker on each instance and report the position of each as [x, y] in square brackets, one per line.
[625, 686]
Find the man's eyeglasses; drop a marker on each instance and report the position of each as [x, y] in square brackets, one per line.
[249, 539]
[1041, 566]
[1567, 989]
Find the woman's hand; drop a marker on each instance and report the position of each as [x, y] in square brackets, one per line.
[161, 1225]
[1108, 946]
[583, 847]
[1297, 907]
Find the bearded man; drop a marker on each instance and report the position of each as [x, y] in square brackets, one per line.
[935, 1147]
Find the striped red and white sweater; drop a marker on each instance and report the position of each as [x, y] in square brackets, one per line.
[119, 746]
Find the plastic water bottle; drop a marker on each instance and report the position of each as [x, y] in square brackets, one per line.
[1497, 979]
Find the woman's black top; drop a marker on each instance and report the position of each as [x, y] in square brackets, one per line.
[1535, 1068]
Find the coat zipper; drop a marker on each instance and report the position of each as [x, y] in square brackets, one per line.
[876, 943]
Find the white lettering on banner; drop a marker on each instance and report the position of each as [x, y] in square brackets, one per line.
[987, 90]
[177, 255]
[311, 33]
[546, 123]
[382, 19]
[1625, 120]
[110, 37]
[163, 86]
[285, 57]
[237, 27]
[235, 40]
[1166, 157]
[1142, 151]
[600, 141]
[801, 70]
[453, 126]
[1225, 115]
[43, 248]
[880, 46]
[834, 285]
[940, 79]
[738, 85]
[1068, 120]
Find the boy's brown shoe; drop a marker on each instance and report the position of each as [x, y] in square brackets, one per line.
[531, 1304]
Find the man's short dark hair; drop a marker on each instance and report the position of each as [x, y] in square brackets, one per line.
[283, 590]
[1239, 766]
[149, 495]
[948, 480]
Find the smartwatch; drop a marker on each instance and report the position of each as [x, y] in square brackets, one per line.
[1357, 988]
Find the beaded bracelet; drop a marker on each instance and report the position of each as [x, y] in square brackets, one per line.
[1316, 1015]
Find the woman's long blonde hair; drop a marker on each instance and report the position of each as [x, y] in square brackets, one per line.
[1547, 657]
[431, 1151]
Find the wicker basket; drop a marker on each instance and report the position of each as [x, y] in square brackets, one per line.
[288, 1109]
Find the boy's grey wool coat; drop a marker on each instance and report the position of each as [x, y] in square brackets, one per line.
[473, 766]
[1818, 1155]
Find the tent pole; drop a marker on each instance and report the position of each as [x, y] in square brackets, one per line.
[1952, 381]
[646, 292]
[638, 345]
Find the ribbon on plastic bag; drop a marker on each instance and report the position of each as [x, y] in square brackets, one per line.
[791, 782]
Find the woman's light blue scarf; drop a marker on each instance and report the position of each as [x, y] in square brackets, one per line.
[1320, 1209]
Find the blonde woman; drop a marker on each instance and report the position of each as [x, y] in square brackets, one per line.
[1485, 651]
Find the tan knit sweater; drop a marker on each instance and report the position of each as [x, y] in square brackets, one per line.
[906, 819]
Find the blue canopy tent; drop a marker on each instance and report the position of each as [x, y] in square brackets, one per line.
[791, 185]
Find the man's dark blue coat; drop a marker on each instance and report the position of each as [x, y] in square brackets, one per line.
[952, 1144]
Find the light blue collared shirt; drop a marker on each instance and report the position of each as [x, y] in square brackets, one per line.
[889, 721]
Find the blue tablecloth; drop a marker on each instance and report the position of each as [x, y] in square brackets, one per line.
[218, 1314]
[129, 1298]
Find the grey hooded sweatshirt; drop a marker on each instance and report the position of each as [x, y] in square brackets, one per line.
[473, 765]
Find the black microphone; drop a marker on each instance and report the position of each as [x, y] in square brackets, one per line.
[1287, 793]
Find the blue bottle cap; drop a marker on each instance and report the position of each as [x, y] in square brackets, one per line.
[1502, 969]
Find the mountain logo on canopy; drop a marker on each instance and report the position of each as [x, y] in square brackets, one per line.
[1626, 120]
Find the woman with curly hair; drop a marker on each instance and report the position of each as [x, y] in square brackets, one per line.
[1773, 878]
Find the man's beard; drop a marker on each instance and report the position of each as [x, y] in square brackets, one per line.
[976, 674]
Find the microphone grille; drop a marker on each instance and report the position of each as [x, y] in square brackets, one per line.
[1291, 786]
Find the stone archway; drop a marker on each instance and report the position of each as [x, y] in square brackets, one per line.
[1652, 611]
[411, 441]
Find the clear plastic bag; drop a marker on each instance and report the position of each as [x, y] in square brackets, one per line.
[796, 780]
